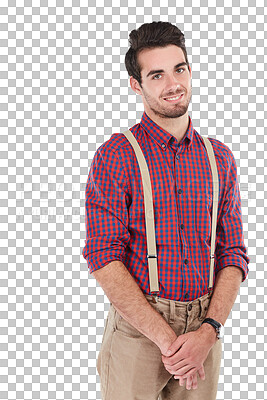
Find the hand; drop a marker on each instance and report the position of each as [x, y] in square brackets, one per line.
[189, 351]
[191, 381]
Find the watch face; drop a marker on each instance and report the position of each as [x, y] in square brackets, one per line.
[221, 334]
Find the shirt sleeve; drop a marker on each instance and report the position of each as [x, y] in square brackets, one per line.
[230, 246]
[106, 211]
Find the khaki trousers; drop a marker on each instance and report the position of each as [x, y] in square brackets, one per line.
[130, 365]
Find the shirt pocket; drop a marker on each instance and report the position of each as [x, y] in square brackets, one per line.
[202, 202]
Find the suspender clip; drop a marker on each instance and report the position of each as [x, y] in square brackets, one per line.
[152, 256]
[154, 298]
[210, 290]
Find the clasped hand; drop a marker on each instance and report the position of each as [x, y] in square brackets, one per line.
[185, 357]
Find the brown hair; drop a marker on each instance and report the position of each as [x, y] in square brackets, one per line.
[151, 35]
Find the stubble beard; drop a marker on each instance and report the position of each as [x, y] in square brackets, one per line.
[171, 111]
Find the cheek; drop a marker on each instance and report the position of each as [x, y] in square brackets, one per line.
[155, 95]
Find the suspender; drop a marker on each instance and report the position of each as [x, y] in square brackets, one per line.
[149, 210]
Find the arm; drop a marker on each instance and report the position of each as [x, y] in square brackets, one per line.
[119, 285]
[190, 350]
[231, 268]
[230, 247]
[226, 288]
[108, 198]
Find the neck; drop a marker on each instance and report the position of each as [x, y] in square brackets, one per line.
[175, 126]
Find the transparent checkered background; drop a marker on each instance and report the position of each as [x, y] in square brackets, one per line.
[64, 91]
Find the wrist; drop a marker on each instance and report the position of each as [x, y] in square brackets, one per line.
[167, 342]
[210, 332]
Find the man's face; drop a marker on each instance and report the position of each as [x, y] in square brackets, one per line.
[159, 87]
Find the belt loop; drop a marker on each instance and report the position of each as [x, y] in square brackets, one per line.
[172, 312]
[200, 308]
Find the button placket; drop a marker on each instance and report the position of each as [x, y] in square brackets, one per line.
[203, 309]
[189, 316]
[172, 312]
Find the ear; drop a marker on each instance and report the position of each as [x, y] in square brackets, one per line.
[135, 85]
[190, 71]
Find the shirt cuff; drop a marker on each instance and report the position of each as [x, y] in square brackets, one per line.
[98, 260]
[235, 261]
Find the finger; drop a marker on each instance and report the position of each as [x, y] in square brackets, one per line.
[175, 346]
[173, 370]
[175, 357]
[188, 383]
[181, 354]
[201, 373]
[173, 351]
[175, 364]
[181, 381]
[185, 371]
[194, 381]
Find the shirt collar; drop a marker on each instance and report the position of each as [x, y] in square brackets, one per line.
[164, 138]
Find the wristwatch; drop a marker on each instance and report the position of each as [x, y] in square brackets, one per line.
[218, 327]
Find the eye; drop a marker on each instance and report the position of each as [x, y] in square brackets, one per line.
[178, 69]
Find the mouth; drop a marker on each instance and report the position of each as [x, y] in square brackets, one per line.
[174, 99]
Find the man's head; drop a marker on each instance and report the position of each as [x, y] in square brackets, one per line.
[158, 68]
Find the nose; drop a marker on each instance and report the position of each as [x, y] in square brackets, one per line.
[172, 84]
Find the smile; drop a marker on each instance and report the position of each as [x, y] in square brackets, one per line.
[174, 99]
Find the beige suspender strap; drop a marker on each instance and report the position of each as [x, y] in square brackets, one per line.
[149, 214]
[149, 210]
[215, 180]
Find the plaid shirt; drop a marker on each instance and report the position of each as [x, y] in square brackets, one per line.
[181, 182]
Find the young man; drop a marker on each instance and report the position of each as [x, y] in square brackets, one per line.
[159, 346]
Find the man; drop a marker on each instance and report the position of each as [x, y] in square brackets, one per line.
[158, 346]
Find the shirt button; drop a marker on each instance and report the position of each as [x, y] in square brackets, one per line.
[163, 145]
[182, 226]
[186, 296]
[179, 190]
[186, 261]
[177, 156]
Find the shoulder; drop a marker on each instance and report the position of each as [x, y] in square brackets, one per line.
[223, 154]
[115, 156]
[115, 143]
[118, 148]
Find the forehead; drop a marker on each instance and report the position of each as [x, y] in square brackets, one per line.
[160, 58]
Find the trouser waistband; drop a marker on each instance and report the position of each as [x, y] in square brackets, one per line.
[197, 307]
[156, 299]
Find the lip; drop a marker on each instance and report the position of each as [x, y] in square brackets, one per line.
[173, 101]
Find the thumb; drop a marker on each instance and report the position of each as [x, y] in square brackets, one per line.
[175, 346]
[201, 373]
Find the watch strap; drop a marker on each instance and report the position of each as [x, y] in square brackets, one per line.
[212, 322]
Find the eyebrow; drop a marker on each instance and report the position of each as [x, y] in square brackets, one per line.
[158, 71]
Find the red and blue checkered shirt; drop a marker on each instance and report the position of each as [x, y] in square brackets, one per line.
[181, 182]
